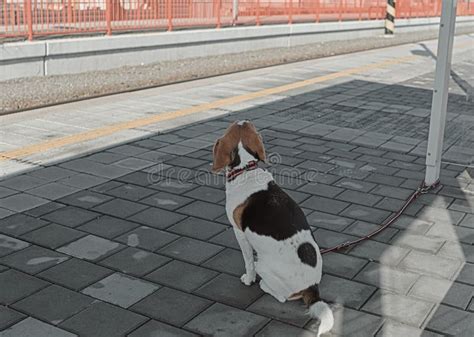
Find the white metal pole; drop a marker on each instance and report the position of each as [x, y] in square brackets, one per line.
[235, 11]
[440, 93]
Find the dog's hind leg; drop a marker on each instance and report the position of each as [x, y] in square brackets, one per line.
[247, 251]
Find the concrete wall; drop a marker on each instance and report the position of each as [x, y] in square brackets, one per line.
[75, 55]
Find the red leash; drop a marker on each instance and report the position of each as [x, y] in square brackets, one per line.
[423, 189]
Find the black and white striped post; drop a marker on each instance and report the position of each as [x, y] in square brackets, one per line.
[390, 18]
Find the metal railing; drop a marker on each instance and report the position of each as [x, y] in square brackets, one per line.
[32, 18]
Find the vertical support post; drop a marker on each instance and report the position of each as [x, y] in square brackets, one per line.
[439, 102]
[108, 16]
[235, 11]
[219, 3]
[390, 18]
[258, 14]
[29, 19]
[169, 15]
[290, 12]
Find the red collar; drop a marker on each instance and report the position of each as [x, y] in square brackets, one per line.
[252, 165]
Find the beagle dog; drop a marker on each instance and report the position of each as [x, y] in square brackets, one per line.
[268, 221]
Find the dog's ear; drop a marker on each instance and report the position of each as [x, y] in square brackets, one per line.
[253, 141]
[221, 157]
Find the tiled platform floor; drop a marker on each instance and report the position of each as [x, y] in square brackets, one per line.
[133, 240]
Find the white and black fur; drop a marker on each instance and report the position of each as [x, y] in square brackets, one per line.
[288, 262]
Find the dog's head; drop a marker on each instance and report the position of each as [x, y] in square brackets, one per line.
[226, 148]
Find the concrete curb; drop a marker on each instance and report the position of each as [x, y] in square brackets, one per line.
[76, 55]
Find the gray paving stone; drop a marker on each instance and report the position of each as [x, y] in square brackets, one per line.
[131, 192]
[19, 224]
[82, 165]
[190, 250]
[351, 322]
[326, 238]
[342, 265]
[166, 200]
[467, 274]
[292, 312]
[328, 221]
[157, 218]
[278, 329]
[324, 205]
[468, 221]
[431, 264]
[23, 182]
[359, 198]
[5, 192]
[16, 285]
[385, 180]
[197, 228]
[365, 214]
[21, 202]
[44, 209]
[5, 213]
[440, 290]
[440, 215]
[343, 291]
[398, 307]
[215, 322]
[133, 163]
[378, 251]
[226, 238]
[70, 216]
[388, 278]
[127, 150]
[356, 185]
[182, 275]
[120, 289]
[85, 199]
[33, 259]
[120, 208]
[321, 190]
[53, 304]
[228, 261]
[107, 226]
[171, 306]
[9, 317]
[31, 327]
[158, 329]
[52, 191]
[91, 247]
[455, 322]
[418, 242]
[147, 238]
[75, 274]
[135, 261]
[458, 251]
[393, 328]
[206, 193]
[230, 290]
[52, 173]
[173, 186]
[82, 180]
[361, 228]
[102, 319]
[412, 225]
[201, 209]
[52, 236]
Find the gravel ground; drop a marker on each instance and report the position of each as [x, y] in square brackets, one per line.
[28, 93]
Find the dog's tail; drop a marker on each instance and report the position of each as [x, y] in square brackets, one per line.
[318, 309]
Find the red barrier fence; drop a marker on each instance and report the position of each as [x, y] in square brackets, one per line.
[30, 18]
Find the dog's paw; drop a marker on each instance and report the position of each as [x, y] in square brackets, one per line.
[248, 278]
